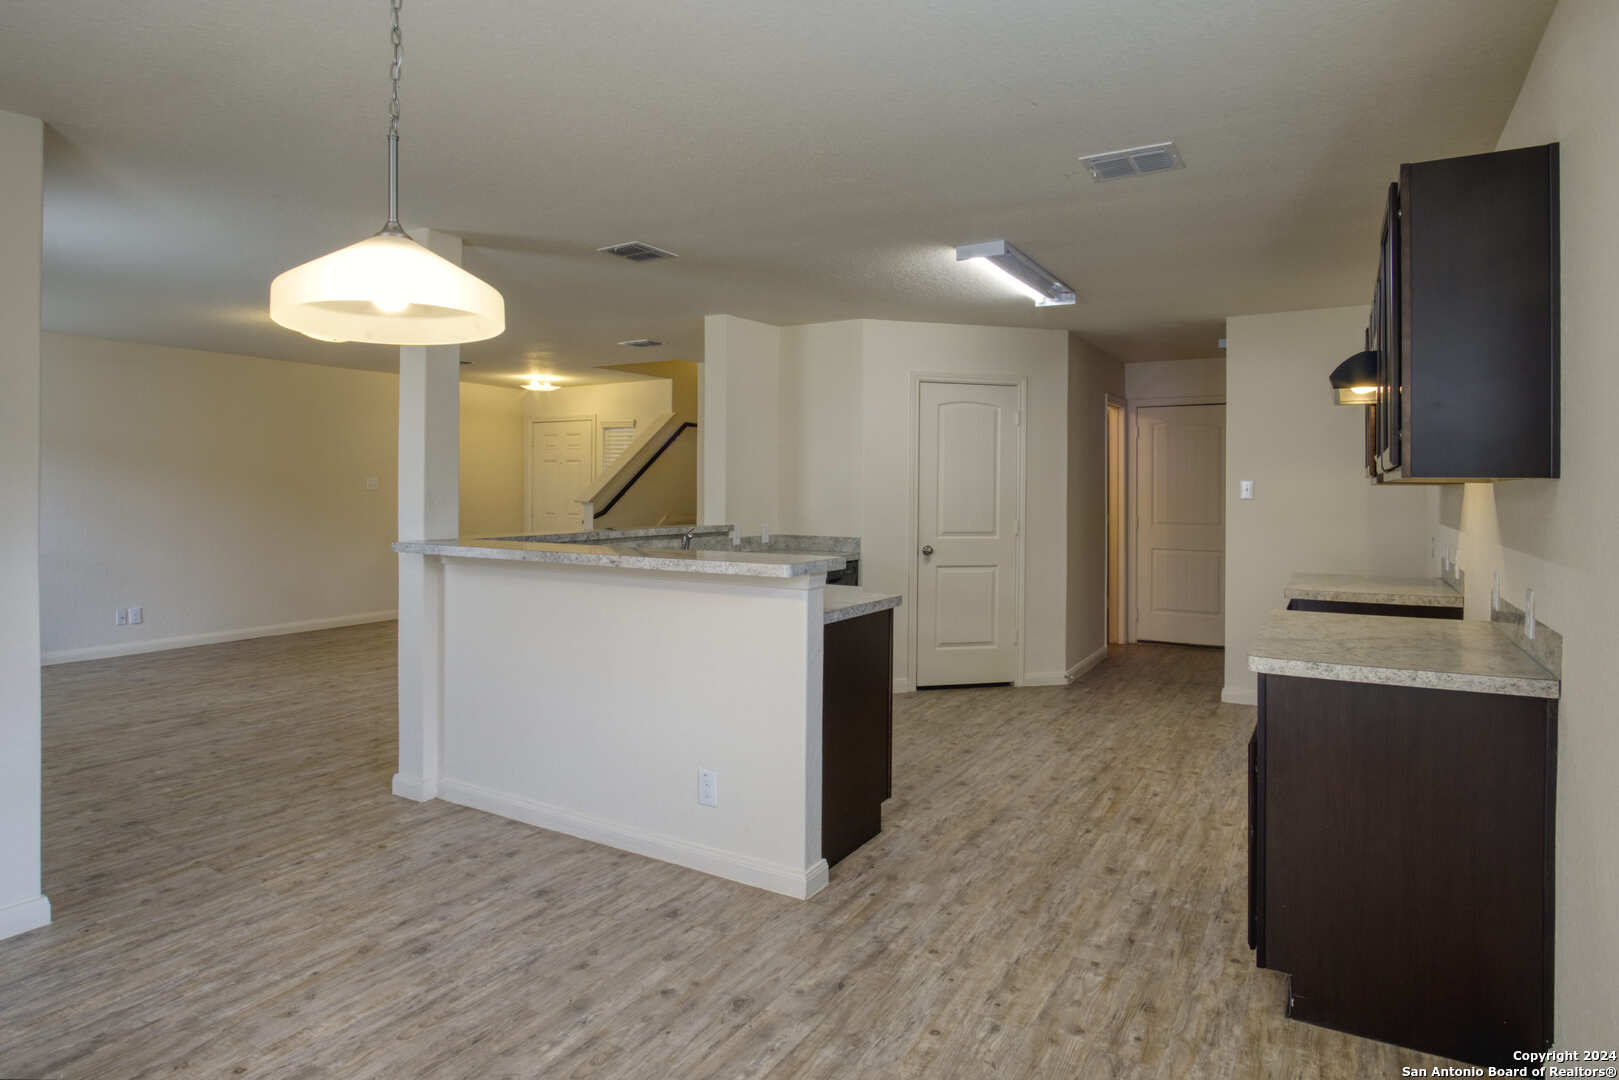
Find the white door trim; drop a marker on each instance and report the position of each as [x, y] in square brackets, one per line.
[1131, 590]
[1021, 384]
[528, 456]
[1108, 402]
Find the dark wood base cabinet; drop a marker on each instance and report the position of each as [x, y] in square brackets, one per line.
[857, 731]
[1400, 862]
[1409, 611]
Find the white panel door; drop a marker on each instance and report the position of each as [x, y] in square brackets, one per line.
[561, 467]
[1180, 524]
[967, 506]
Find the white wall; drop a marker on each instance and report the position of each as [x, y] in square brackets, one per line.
[1314, 509]
[226, 494]
[740, 438]
[22, 906]
[1169, 379]
[1557, 536]
[1093, 375]
[547, 725]
[822, 418]
[814, 424]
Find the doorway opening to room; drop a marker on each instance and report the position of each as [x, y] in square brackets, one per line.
[1118, 630]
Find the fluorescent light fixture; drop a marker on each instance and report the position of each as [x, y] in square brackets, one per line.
[534, 383]
[1013, 267]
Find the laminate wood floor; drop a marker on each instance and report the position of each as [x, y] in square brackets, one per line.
[1059, 891]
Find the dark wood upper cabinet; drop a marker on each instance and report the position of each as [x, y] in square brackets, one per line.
[1465, 320]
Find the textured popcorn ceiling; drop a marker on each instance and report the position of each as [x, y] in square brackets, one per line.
[807, 161]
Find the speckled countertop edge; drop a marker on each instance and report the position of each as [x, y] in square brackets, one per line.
[851, 602]
[1348, 645]
[1373, 589]
[736, 564]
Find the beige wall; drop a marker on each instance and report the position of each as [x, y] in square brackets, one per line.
[492, 472]
[226, 495]
[1313, 507]
[813, 429]
[1092, 376]
[22, 907]
[1557, 536]
[1169, 379]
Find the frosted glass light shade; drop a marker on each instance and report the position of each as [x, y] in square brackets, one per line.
[388, 290]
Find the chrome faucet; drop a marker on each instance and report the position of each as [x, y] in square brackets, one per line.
[685, 541]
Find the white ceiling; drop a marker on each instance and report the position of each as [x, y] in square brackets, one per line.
[807, 161]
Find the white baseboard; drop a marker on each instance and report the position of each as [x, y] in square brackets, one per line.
[1043, 678]
[214, 637]
[781, 878]
[1086, 664]
[1239, 695]
[25, 915]
[414, 788]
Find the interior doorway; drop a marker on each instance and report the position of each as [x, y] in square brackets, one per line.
[1179, 506]
[1118, 630]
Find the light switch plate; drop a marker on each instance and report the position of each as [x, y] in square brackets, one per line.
[1247, 489]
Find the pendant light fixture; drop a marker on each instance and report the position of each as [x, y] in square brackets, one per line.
[387, 289]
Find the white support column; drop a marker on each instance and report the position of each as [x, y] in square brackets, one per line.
[429, 509]
[22, 905]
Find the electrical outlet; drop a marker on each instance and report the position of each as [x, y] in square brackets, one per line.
[136, 616]
[708, 787]
[120, 617]
[372, 483]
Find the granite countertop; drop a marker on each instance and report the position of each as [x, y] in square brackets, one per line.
[850, 602]
[628, 557]
[1441, 654]
[1373, 589]
[611, 535]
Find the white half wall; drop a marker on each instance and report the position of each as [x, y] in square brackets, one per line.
[227, 495]
[1557, 536]
[22, 905]
[1314, 508]
[586, 700]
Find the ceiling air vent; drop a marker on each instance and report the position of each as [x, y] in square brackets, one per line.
[636, 251]
[1159, 157]
[641, 343]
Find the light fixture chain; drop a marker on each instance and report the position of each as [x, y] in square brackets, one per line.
[398, 62]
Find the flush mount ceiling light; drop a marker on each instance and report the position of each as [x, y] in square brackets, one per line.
[1355, 379]
[534, 383]
[1013, 267]
[387, 289]
[641, 343]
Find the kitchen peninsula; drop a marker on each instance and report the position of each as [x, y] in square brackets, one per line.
[676, 702]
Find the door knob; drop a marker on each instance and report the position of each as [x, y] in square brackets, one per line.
[927, 549]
